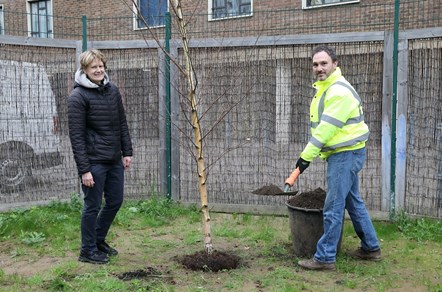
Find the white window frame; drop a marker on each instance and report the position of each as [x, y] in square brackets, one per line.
[326, 3]
[235, 14]
[2, 20]
[48, 17]
[136, 19]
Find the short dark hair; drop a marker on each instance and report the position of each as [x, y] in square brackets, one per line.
[329, 50]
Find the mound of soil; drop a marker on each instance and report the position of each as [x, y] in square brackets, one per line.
[214, 262]
[308, 200]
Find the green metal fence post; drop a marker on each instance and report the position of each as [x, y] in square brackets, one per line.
[83, 20]
[168, 117]
[394, 113]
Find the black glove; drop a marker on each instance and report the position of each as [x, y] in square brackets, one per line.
[302, 164]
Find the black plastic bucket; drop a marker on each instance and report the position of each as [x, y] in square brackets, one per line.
[306, 227]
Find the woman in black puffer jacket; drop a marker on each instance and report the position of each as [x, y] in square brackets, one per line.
[102, 149]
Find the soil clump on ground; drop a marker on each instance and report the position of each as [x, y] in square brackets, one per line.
[214, 262]
[139, 274]
[308, 200]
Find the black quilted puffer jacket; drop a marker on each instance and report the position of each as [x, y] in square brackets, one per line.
[97, 124]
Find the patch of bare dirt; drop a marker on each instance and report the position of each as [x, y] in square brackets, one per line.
[29, 266]
[26, 264]
[214, 262]
[308, 200]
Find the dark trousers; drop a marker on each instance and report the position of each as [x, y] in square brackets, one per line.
[97, 218]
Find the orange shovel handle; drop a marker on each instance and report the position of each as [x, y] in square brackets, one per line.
[293, 176]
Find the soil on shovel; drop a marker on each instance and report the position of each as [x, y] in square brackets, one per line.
[214, 262]
[308, 200]
[272, 190]
[268, 190]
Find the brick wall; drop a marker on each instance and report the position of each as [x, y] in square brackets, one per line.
[112, 19]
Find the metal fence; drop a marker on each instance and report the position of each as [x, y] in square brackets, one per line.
[254, 92]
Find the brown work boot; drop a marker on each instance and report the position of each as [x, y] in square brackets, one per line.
[362, 254]
[313, 264]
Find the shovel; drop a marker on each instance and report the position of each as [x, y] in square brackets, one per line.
[291, 179]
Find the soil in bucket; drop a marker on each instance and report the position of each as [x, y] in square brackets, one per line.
[306, 221]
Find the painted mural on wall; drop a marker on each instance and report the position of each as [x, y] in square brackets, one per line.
[28, 123]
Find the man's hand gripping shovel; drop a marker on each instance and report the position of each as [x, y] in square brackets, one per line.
[289, 182]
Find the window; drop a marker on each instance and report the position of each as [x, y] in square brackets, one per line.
[40, 19]
[152, 11]
[219, 9]
[307, 4]
[2, 21]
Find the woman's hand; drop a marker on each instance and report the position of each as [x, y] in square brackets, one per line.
[127, 160]
[87, 179]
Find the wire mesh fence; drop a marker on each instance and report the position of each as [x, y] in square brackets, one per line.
[256, 103]
[37, 161]
[253, 100]
[33, 148]
[424, 128]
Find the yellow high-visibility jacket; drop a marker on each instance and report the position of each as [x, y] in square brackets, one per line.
[336, 119]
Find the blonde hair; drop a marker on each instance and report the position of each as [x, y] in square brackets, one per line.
[87, 57]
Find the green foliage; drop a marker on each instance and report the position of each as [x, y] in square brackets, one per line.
[33, 237]
[385, 230]
[58, 284]
[266, 234]
[155, 212]
[419, 229]
[40, 219]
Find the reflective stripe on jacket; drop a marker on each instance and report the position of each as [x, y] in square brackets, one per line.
[336, 119]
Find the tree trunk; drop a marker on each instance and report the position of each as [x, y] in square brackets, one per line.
[201, 168]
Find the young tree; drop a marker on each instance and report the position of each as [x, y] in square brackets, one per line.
[194, 117]
[195, 122]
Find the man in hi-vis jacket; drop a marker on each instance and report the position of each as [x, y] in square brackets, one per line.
[338, 135]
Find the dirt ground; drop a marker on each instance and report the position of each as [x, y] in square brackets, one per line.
[169, 264]
[218, 261]
[200, 260]
[136, 262]
[214, 262]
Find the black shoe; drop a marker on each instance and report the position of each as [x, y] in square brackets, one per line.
[104, 247]
[94, 257]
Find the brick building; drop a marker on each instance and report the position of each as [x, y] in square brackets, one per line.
[115, 19]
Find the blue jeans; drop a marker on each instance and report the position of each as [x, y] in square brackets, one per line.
[97, 219]
[343, 193]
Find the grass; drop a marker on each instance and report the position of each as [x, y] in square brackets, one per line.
[39, 248]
